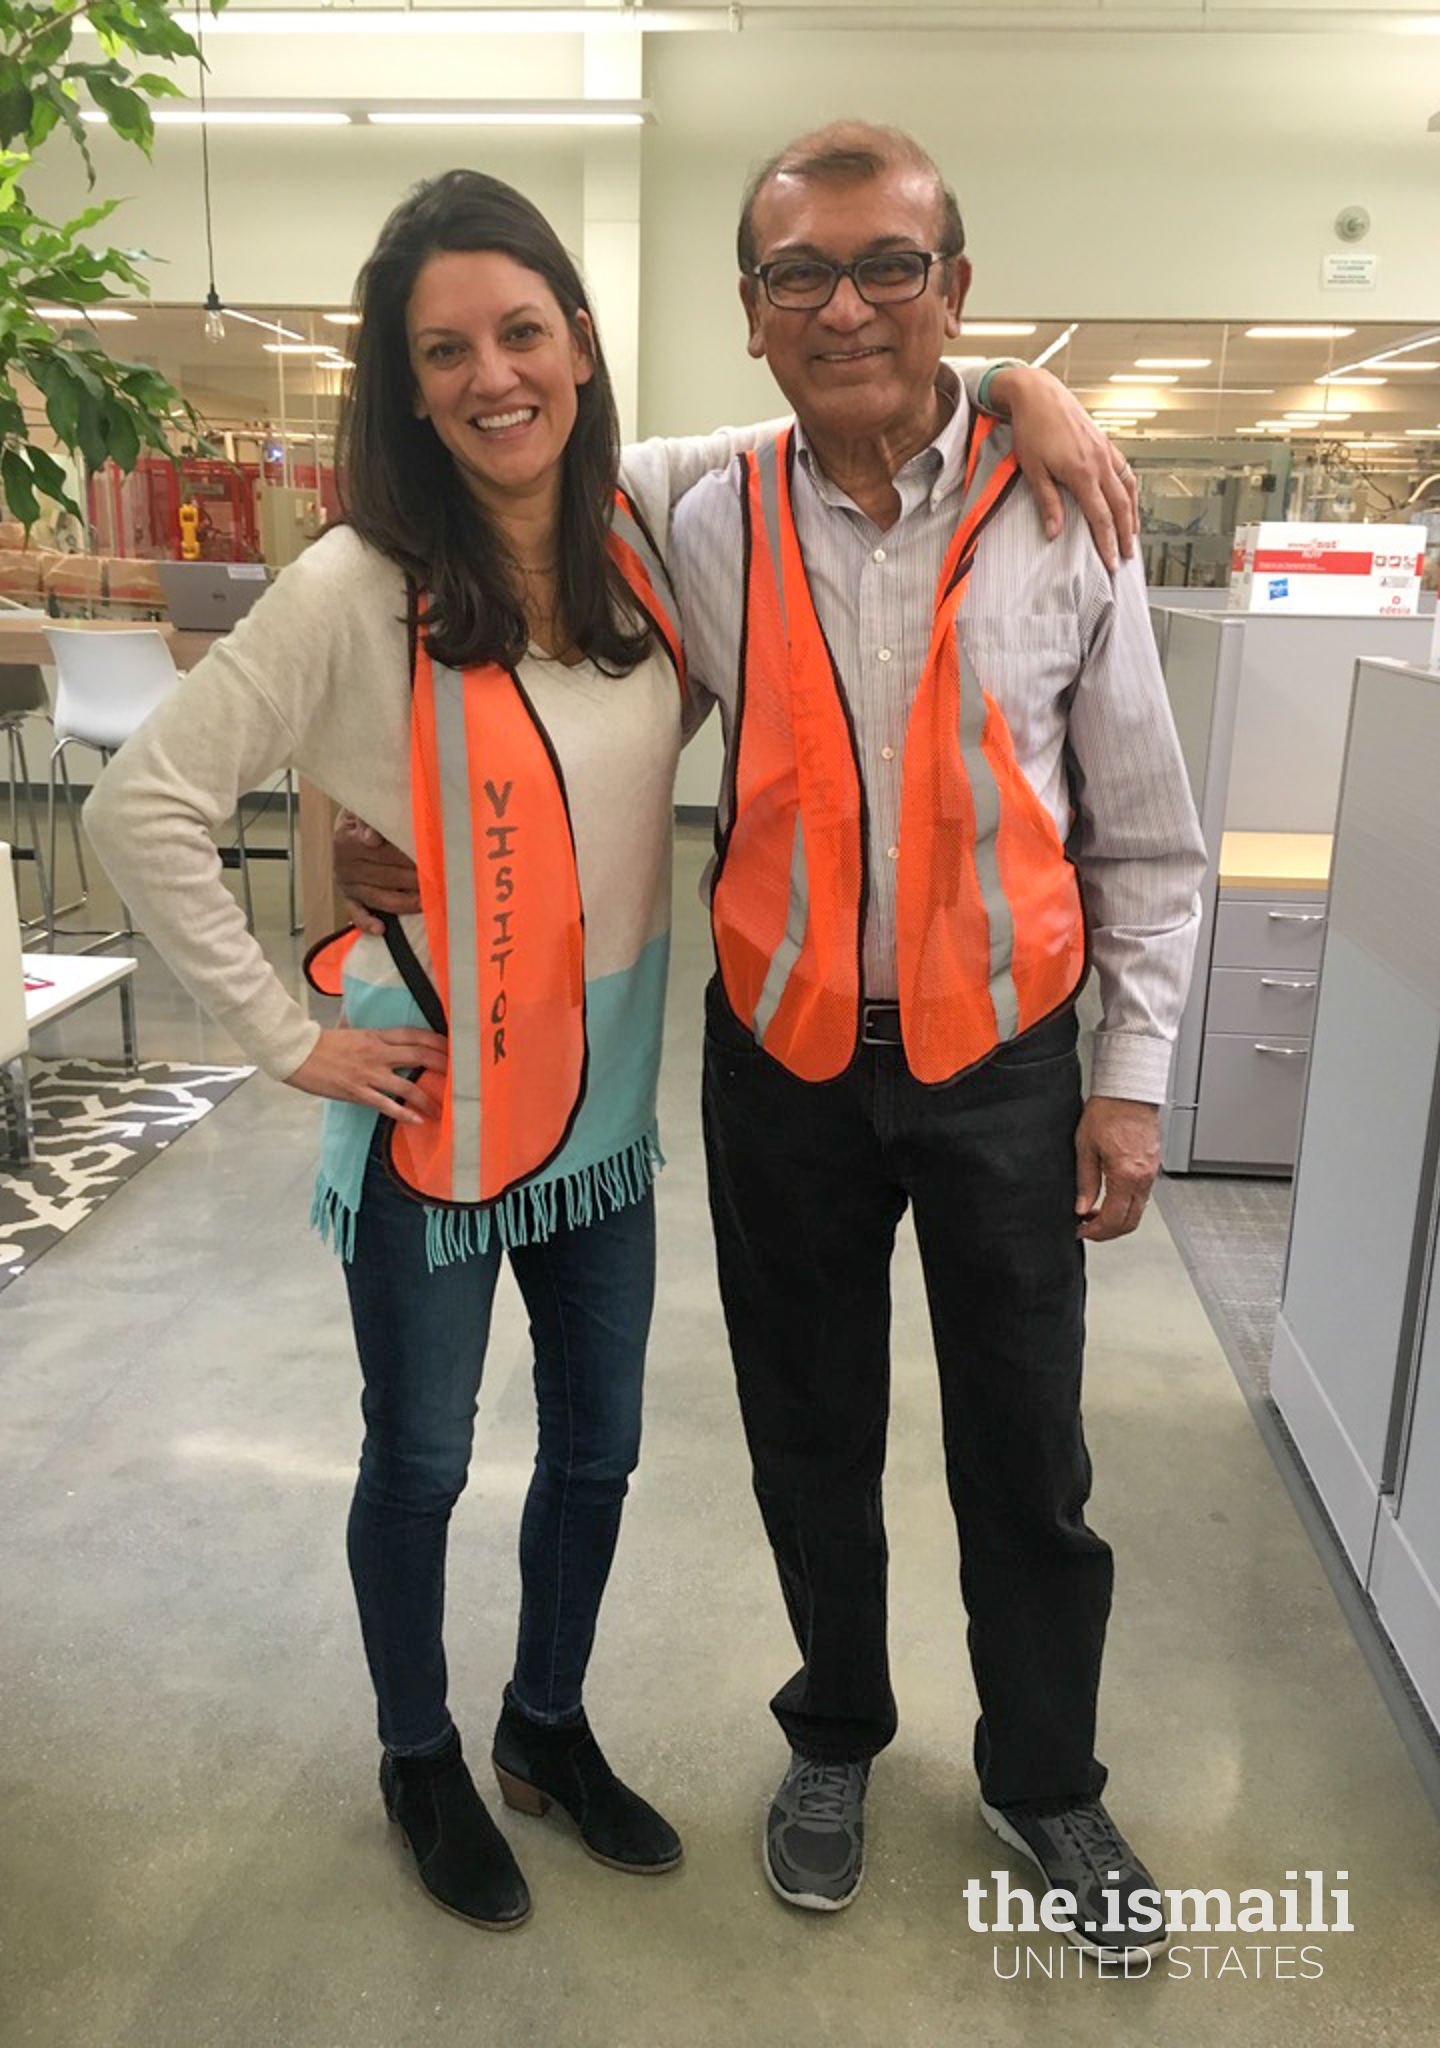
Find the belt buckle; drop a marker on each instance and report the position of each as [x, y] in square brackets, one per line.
[880, 1024]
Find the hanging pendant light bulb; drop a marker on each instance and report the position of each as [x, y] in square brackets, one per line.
[214, 308]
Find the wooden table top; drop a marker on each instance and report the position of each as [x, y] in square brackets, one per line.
[1280, 861]
[23, 642]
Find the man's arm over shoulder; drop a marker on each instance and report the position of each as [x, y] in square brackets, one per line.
[1136, 839]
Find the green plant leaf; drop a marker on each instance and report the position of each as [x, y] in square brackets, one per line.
[19, 486]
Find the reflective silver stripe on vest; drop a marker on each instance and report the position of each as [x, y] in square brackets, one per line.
[788, 951]
[767, 464]
[984, 789]
[458, 834]
[633, 534]
[985, 794]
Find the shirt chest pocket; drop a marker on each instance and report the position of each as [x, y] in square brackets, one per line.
[1027, 663]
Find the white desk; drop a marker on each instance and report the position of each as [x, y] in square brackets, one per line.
[55, 984]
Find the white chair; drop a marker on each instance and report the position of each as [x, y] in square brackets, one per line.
[106, 685]
[14, 1031]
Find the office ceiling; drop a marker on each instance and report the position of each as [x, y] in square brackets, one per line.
[1238, 381]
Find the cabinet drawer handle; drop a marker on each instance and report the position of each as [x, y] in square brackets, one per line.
[1273, 981]
[1296, 916]
[1285, 1052]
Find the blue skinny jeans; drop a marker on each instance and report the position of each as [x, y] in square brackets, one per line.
[421, 1336]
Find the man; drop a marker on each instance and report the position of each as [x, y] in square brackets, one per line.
[894, 1026]
[900, 937]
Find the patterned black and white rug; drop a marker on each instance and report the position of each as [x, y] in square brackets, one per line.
[95, 1126]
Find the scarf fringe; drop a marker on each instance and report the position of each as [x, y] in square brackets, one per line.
[525, 1216]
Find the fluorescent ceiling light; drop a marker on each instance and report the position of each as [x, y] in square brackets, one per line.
[1297, 333]
[1336, 378]
[446, 21]
[1422, 367]
[270, 326]
[82, 313]
[992, 327]
[1423, 433]
[1125, 377]
[1289, 426]
[278, 116]
[1315, 419]
[571, 113]
[298, 348]
[1172, 362]
[1372, 444]
[1101, 412]
[344, 319]
[1039, 362]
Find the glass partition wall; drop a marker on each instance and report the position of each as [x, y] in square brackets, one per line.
[1224, 424]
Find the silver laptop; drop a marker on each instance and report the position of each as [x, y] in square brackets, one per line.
[208, 597]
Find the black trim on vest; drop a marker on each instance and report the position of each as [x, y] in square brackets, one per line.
[313, 953]
[967, 560]
[388, 1137]
[730, 773]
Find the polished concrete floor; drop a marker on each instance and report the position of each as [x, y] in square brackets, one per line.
[192, 1851]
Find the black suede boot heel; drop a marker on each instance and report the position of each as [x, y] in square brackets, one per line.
[464, 1861]
[536, 1765]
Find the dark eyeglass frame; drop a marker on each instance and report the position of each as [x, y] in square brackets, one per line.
[928, 259]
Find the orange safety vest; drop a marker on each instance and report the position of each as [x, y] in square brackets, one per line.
[504, 921]
[990, 936]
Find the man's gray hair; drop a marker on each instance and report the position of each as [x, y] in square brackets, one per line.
[847, 152]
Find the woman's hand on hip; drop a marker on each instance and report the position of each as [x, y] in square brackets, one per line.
[371, 1067]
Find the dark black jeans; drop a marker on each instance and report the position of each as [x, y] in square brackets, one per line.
[807, 1185]
[421, 1338]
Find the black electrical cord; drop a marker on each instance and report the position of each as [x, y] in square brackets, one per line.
[212, 297]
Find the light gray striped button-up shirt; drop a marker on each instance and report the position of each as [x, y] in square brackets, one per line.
[1066, 652]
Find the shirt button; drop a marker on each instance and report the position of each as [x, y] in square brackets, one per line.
[887, 753]
[892, 853]
[878, 556]
[882, 654]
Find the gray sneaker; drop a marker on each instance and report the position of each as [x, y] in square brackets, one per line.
[815, 1834]
[1118, 1906]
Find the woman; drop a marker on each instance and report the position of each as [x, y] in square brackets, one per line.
[476, 663]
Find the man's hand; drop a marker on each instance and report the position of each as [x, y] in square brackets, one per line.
[372, 874]
[371, 1067]
[1117, 1142]
[1057, 442]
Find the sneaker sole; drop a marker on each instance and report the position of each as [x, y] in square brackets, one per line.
[1076, 1936]
[812, 1902]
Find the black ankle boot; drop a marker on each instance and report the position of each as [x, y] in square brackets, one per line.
[464, 1861]
[536, 1764]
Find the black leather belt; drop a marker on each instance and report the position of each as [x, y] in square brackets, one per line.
[880, 1024]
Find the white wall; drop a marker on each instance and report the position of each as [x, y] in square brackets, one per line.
[1102, 176]
[1115, 176]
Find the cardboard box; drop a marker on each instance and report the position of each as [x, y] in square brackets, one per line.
[1288, 566]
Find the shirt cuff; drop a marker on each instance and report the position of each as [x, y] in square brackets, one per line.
[1131, 1066]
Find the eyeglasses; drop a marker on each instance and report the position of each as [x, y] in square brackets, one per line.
[807, 283]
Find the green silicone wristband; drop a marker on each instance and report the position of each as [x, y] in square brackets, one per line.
[982, 389]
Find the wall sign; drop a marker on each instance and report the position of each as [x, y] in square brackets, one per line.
[1349, 273]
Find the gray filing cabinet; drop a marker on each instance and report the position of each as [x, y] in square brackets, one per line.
[1261, 707]
[1264, 964]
